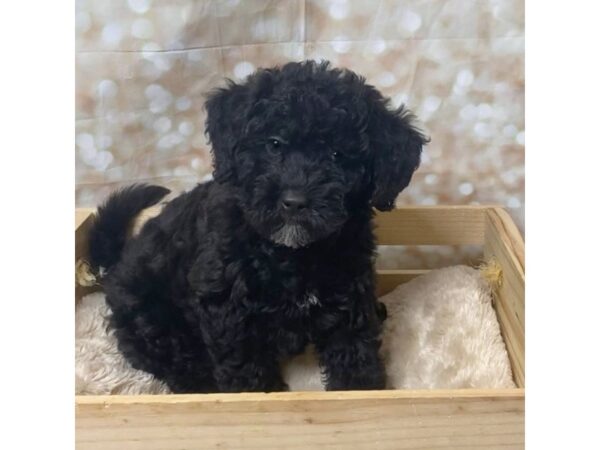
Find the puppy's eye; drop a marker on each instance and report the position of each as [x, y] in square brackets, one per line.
[336, 156]
[275, 142]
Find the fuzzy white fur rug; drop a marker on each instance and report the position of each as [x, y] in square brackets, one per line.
[441, 332]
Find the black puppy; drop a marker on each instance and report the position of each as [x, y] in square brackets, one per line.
[277, 251]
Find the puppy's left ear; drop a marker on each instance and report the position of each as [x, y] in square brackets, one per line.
[396, 146]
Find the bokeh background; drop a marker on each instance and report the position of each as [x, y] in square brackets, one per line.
[144, 66]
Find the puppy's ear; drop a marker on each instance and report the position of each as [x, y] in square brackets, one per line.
[396, 146]
[226, 117]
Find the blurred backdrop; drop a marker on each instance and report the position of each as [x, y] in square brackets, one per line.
[143, 67]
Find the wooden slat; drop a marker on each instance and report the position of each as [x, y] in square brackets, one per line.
[83, 220]
[389, 279]
[82, 215]
[504, 244]
[439, 225]
[445, 419]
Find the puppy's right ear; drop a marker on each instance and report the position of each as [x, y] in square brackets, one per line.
[226, 113]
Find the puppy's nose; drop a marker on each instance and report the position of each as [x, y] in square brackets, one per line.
[293, 201]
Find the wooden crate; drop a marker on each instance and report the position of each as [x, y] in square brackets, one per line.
[393, 419]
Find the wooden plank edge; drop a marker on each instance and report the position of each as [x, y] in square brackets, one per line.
[389, 279]
[507, 247]
[438, 394]
[445, 207]
[82, 215]
[516, 352]
[402, 272]
[431, 225]
[502, 221]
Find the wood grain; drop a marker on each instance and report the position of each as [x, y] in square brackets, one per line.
[504, 244]
[436, 225]
[389, 279]
[473, 419]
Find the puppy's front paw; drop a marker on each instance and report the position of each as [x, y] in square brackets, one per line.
[368, 378]
[249, 379]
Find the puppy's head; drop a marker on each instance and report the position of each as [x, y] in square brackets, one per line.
[306, 145]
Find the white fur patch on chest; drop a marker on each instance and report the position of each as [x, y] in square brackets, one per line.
[310, 299]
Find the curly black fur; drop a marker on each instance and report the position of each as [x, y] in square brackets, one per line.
[277, 251]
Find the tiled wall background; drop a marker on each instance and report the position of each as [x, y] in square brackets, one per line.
[143, 66]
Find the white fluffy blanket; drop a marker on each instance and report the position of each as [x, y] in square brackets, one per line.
[441, 332]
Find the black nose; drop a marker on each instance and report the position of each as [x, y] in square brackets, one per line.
[293, 201]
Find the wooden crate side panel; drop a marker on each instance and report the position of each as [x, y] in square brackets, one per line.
[82, 215]
[389, 279]
[368, 421]
[83, 220]
[503, 243]
[440, 225]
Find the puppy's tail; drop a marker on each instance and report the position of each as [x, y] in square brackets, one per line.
[108, 232]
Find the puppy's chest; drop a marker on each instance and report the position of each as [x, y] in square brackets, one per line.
[293, 288]
[300, 297]
[308, 299]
